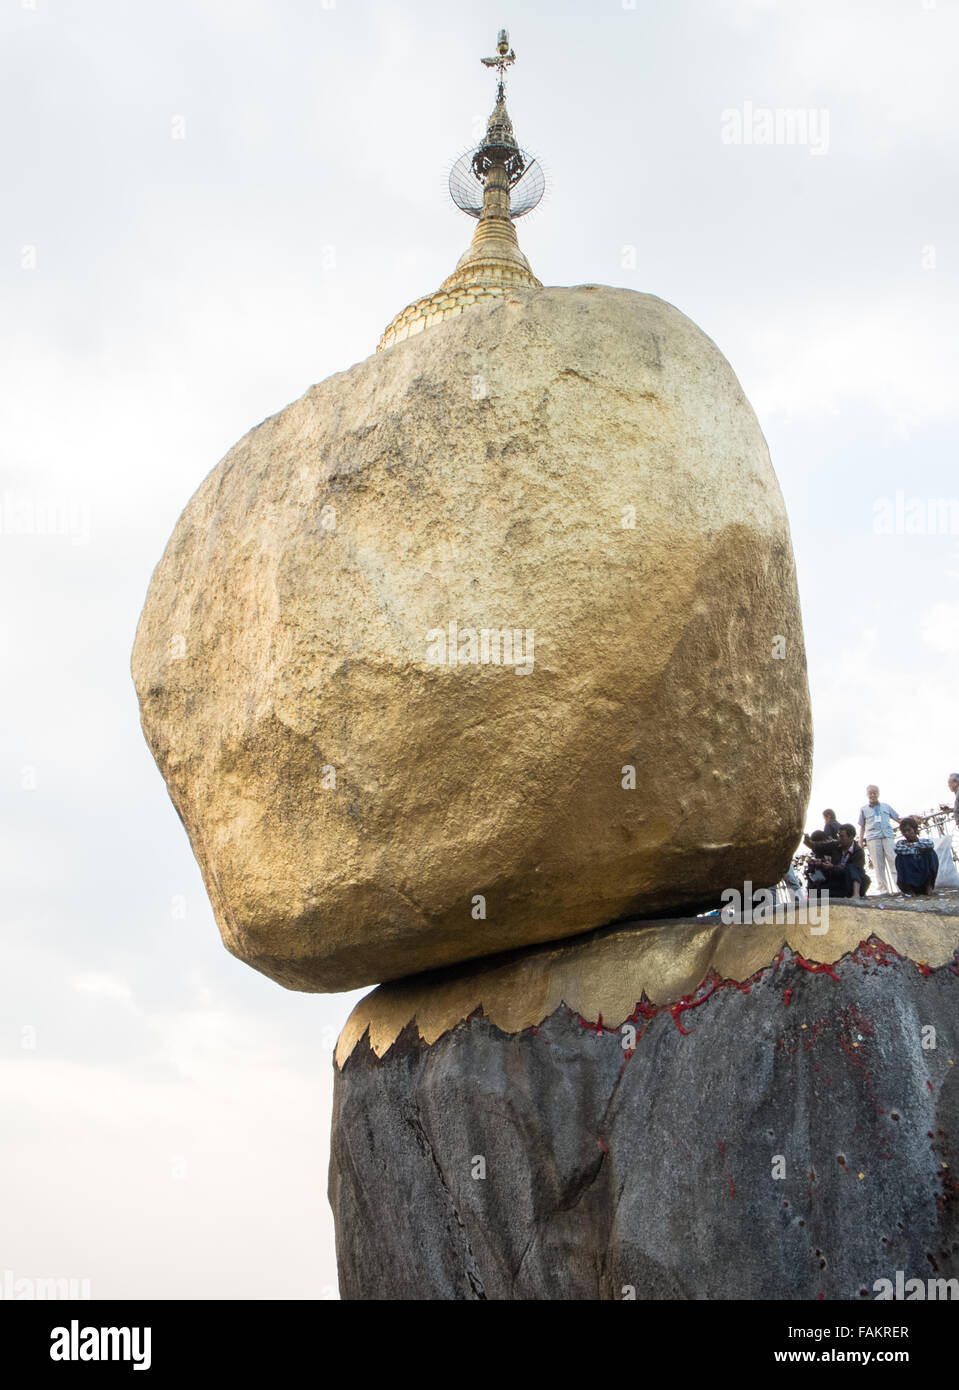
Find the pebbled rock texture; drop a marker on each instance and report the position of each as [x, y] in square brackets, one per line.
[649, 1170]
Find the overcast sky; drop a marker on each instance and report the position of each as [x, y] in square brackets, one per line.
[208, 207]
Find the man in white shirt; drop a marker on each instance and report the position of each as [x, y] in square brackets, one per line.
[954, 788]
[877, 835]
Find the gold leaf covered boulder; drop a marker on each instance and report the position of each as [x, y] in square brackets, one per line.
[489, 640]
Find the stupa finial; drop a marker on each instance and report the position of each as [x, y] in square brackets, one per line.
[496, 182]
[505, 56]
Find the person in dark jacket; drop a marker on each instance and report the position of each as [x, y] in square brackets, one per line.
[819, 865]
[917, 863]
[847, 877]
[821, 861]
[830, 829]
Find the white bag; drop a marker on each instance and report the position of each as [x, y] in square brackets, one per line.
[947, 876]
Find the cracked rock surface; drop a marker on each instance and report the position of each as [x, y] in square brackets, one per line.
[787, 1138]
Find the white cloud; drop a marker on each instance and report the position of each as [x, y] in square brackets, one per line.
[940, 628]
[103, 985]
[897, 356]
[167, 1189]
[889, 63]
[883, 723]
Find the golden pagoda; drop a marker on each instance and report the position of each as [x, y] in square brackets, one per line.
[496, 183]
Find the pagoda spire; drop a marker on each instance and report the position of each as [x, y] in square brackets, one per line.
[484, 184]
[497, 164]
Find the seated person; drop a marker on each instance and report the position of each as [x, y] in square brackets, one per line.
[820, 863]
[846, 876]
[917, 863]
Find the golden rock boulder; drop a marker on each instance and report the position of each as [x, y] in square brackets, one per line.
[489, 640]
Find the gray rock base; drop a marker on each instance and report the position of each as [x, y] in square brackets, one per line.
[555, 1163]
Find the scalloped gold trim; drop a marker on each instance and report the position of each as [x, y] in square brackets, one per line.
[606, 974]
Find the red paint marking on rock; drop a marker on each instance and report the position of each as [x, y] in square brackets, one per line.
[818, 969]
[688, 1002]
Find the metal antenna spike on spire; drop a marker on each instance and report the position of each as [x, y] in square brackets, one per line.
[498, 160]
[505, 58]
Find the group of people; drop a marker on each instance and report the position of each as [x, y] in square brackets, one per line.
[837, 860]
